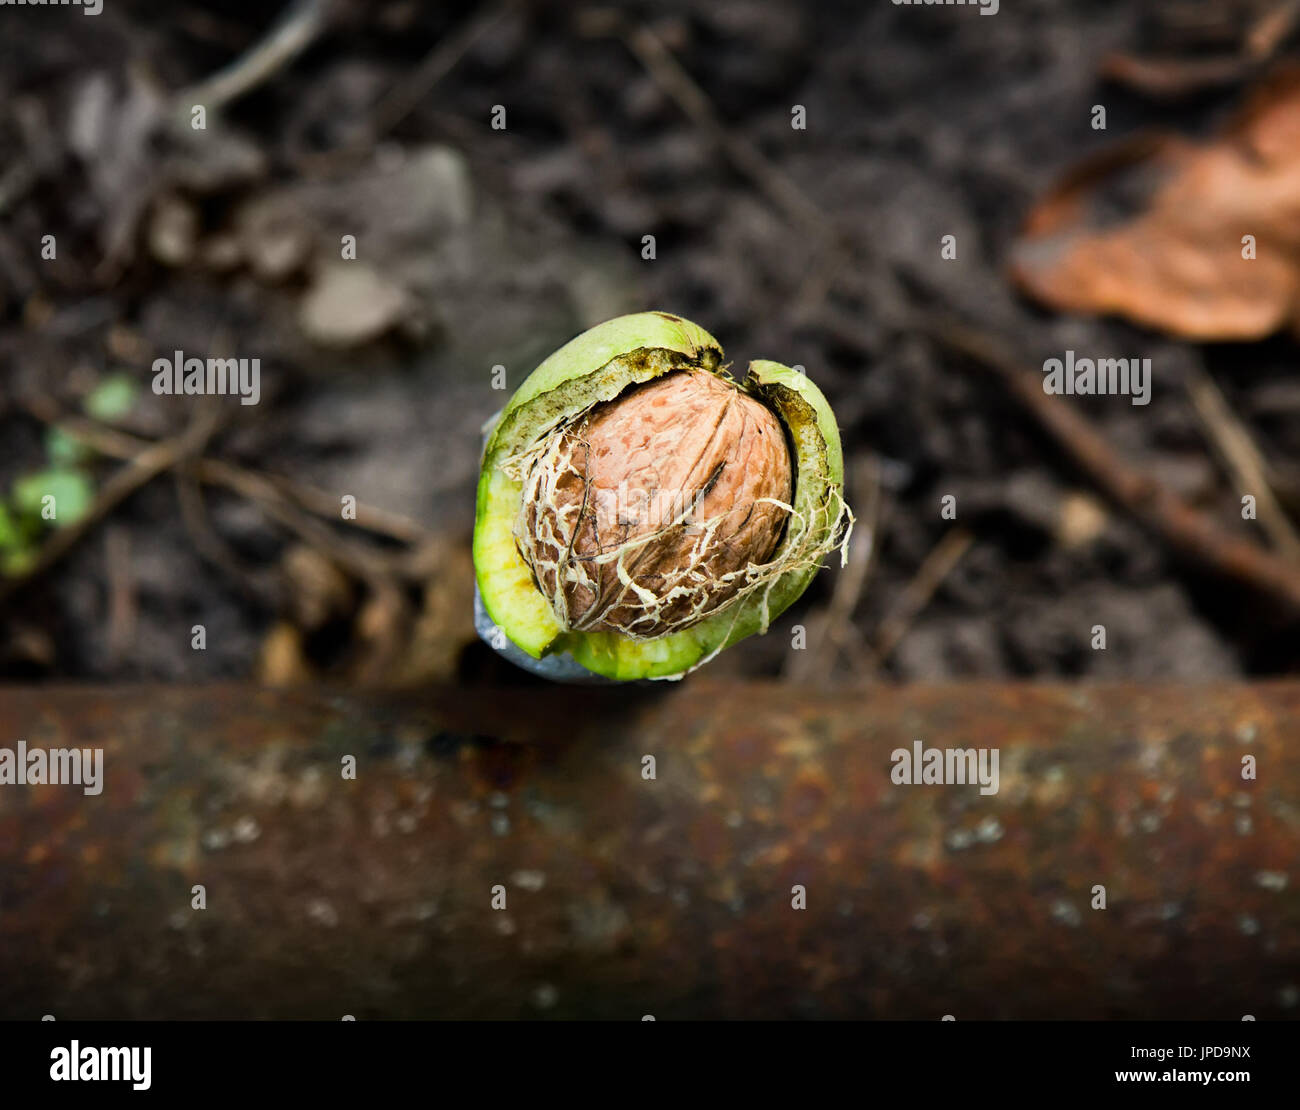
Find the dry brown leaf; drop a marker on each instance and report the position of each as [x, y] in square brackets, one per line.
[1178, 265]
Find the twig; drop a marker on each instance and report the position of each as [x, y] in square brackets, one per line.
[1186, 531]
[831, 253]
[121, 593]
[369, 565]
[209, 544]
[1243, 459]
[668, 73]
[829, 625]
[153, 460]
[298, 27]
[399, 101]
[372, 518]
[1173, 77]
[121, 445]
[1272, 29]
[943, 557]
[90, 433]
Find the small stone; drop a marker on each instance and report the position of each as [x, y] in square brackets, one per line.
[960, 839]
[277, 250]
[215, 839]
[322, 913]
[173, 231]
[529, 880]
[1082, 520]
[1066, 913]
[1271, 880]
[350, 304]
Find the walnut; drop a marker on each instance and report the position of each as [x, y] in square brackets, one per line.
[653, 510]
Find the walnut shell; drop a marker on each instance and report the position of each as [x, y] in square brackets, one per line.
[647, 514]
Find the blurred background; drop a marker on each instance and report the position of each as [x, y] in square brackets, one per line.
[814, 238]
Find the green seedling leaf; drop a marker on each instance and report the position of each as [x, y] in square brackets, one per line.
[11, 535]
[63, 451]
[112, 398]
[17, 562]
[72, 491]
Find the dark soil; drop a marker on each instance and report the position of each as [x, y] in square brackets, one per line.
[492, 247]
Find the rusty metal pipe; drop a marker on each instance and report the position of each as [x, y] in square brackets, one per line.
[669, 896]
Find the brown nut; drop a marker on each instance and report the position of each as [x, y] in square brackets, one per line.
[652, 510]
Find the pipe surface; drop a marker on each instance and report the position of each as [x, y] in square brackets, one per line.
[672, 896]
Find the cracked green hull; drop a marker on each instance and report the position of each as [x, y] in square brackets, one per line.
[597, 366]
